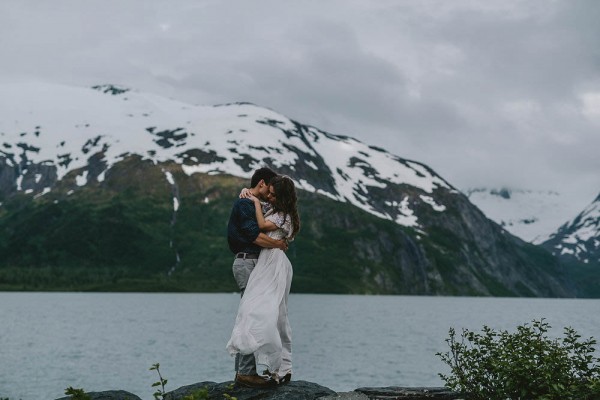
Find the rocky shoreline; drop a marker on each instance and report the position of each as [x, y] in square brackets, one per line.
[295, 390]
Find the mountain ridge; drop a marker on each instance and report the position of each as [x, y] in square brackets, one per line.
[579, 238]
[542, 218]
[169, 171]
[236, 151]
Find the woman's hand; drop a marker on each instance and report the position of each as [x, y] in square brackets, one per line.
[245, 193]
[255, 199]
[283, 245]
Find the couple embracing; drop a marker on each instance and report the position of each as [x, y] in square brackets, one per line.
[262, 223]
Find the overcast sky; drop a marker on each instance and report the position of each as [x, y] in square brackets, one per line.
[487, 93]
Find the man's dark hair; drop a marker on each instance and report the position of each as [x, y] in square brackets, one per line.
[264, 173]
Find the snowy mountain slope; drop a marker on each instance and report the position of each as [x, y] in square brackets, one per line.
[233, 139]
[532, 215]
[116, 161]
[580, 237]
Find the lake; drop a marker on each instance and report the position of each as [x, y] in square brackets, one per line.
[104, 341]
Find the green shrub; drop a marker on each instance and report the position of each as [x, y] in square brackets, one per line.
[525, 364]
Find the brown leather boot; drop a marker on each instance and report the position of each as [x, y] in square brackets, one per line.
[254, 381]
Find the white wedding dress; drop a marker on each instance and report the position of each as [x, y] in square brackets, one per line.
[262, 327]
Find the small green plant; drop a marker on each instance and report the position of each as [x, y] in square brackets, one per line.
[200, 394]
[76, 394]
[160, 392]
[227, 395]
[526, 364]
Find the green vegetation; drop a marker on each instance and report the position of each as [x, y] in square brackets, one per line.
[123, 235]
[107, 241]
[199, 394]
[160, 392]
[77, 394]
[526, 364]
[586, 278]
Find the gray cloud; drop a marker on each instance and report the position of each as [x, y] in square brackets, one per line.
[486, 93]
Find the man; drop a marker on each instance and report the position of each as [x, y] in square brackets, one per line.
[245, 241]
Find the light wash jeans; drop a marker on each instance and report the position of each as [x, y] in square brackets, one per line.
[242, 268]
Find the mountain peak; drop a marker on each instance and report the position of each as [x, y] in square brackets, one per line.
[580, 237]
[64, 127]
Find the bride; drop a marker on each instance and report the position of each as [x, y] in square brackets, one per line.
[262, 327]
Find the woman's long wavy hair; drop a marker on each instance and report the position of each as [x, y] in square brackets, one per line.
[286, 200]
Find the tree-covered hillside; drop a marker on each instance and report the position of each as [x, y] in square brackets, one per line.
[124, 234]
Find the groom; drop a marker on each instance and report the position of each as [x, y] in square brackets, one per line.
[245, 241]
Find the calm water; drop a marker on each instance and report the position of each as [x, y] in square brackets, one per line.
[49, 341]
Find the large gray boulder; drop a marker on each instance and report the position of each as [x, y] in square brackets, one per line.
[295, 390]
[409, 393]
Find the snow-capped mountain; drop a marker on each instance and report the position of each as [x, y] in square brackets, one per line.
[580, 237]
[232, 138]
[532, 215]
[98, 164]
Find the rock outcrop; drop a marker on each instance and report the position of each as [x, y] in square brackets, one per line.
[416, 393]
[295, 390]
[108, 395]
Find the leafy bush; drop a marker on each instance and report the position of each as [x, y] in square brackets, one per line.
[525, 364]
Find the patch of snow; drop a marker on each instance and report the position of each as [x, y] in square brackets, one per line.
[203, 168]
[436, 207]
[43, 192]
[175, 204]
[169, 177]
[567, 251]
[311, 164]
[81, 180]
[406, 217]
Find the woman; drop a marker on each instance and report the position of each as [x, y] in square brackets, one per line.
[262, 327]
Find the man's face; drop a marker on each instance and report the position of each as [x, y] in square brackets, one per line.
[263, 191]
